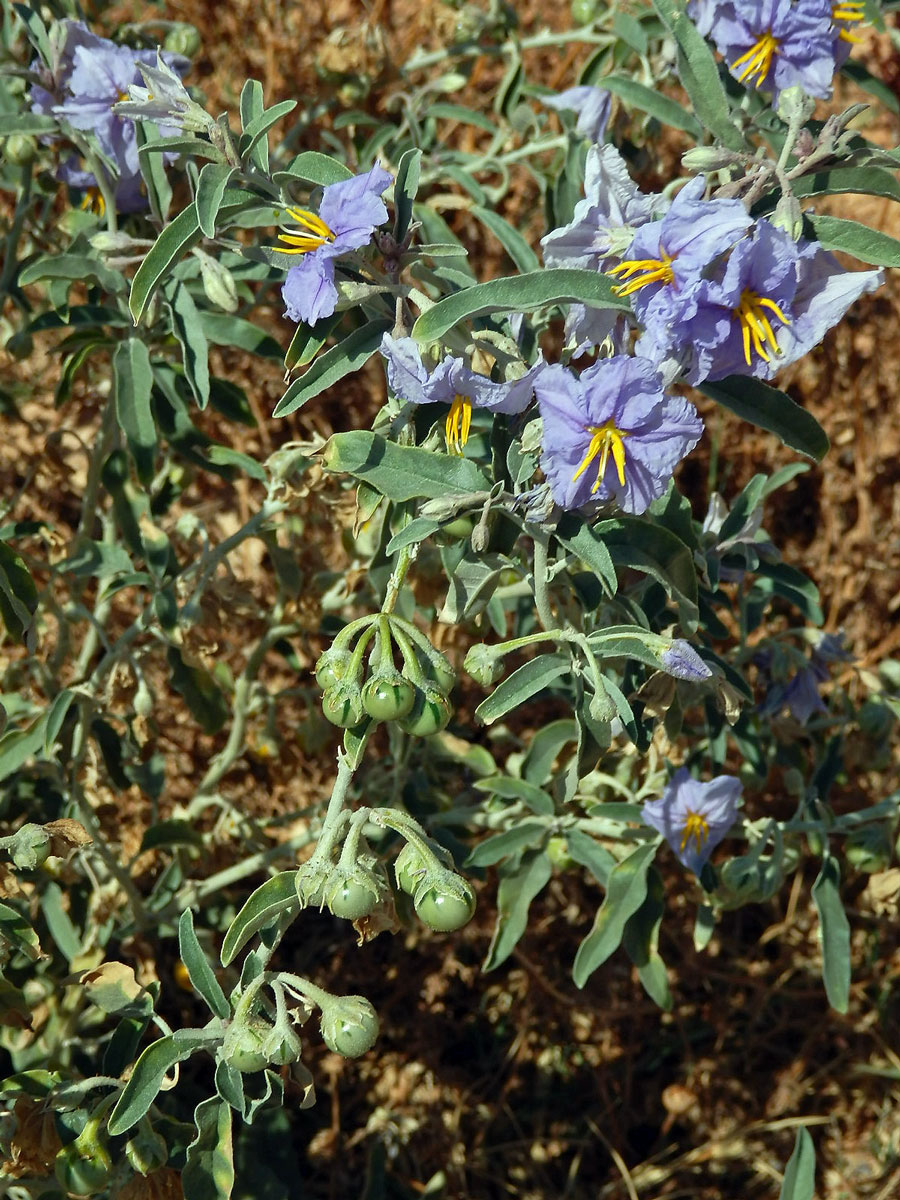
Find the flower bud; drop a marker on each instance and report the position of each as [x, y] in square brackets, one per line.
[349, 1025]
[20, 149]
[789, 216]
[30, 847]
[794, 106]
[708, 158]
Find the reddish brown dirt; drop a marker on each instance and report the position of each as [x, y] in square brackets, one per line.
[514, 1083]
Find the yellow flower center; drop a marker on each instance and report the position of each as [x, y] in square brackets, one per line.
[459, 422]
[848, 10]
[316, 235]
[756, 325]
[757, 60]
[644, 271]
[696, 827]
[605, 440]
[92, 201]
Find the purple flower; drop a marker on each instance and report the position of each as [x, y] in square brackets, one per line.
[86, 78]
[694, 817]
[604, 222]
[453, 382]
[348, 213]
[776, 44]
[682, 660]
[801, 696]
[674, 254]
[592, 104]
[772, 302]
[612, 433]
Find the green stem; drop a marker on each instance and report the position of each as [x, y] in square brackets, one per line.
[541, 577]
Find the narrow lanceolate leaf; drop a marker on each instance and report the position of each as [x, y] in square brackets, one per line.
[625, 893]
[514, 896]
[307, 341]
[195, 350]
[11, 123]
[211, 186]
[666, 111]
[637, 544]
[524, 683]
[406, 185]
[199, 971]
[869, 181]
[272, 898]
[584, 541]
[255, 132]
[18, 594]
[770, 409]
[699, 74]
[868, 245]
[314, 168]
[519, 293]
[800, 1172]
[329, 368]
[834, 934]
[133, 383]
[509, 238]
[148, 1074]
[153, 171]
[401, 472]
[209, 1171]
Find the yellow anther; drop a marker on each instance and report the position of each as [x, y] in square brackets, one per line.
[301, 243]
[605, 440]
[697, 827]
[756, 325]
[757, 60]
[92, 201]
[849, 10]
[459, 422]
[644, 270]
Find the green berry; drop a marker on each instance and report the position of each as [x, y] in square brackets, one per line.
[408, 868]
[584, 11]
[332, 667]
[84, 1166]
[446, 910]
[430, 713]
[20, 149]
[351, 900]
[388, 697]
[342, 705]
[349, 1026]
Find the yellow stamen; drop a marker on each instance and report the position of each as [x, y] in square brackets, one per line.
[849, 10]
[301, 243]
[757, 60]
[459, 422]
[756, 326]
[92, 201]
[697, 827]
[605, 440]
[644, 270]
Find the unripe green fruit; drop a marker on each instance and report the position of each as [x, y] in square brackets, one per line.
[342, 705]
[445, 910]
[84, 1166]
[242, 1047]
[20, 149]
[183, 39]
[282, 1047]
[146, 1151]
[349, 1026]
[444, 675]
[351, 900]
[332, 667]
[408, 868]
[869, 849]
[583, 11]
[388, 697]
[430, 713]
